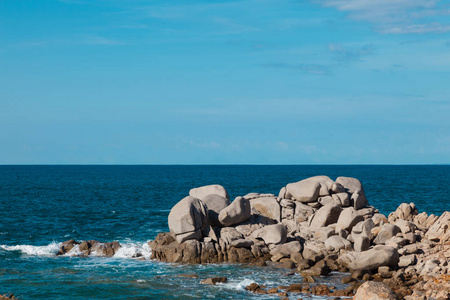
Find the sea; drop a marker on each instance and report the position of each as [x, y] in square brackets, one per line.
[43, 206]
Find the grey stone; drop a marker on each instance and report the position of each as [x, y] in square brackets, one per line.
[271, 234]
[328, 214]
[203, 191]
[286, 250]
[215, 203]
[386, 232]
[351, 185]
[267, 206]
[359, 200]
[303, 212]
[343, 199]
[336, 243]
[371, 259]
[187, 219]
[348, 218]
[306, 190]
[237, 212]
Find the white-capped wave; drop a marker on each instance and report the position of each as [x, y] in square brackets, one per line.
[49, 250]
[134, 250]
[241, 285]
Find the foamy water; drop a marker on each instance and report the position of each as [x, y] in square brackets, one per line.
[48, 250]
[128, 250]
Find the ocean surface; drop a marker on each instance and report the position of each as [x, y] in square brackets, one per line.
[42, 206]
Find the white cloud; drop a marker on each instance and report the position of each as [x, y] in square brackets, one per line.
[396, 16]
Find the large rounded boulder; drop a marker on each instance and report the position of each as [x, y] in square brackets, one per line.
[203, 191]
[187, 219]
[237, 212]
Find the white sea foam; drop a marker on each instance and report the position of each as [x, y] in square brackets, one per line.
[241, 285]
[133, 250]
[49, 250]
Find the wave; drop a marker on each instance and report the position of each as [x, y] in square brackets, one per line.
[49, 250]
[128, 250]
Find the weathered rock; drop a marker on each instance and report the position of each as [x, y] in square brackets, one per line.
[407, 260]
[215, 203]
[306, 190]
[351, 185]
[238, 211]
[322, 234]
[378, 218]
[405, 212]
[187, 219]
[405, 226]
[272, 234]
[348, 218]
[336, 243]
[242, 243]
[386, 232]
[364, 228]
[202, 192]
[361, 242]
[303, 212]
[286, 250]
[440, 230]
[67, 246]
[371, 259]
[268, 207]
[214, 280]
[328, 214]
[371, 290]
[228, 235]
[343, 199]
[86, 248]
[359, 200]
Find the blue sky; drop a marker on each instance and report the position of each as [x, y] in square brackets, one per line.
[219, 82]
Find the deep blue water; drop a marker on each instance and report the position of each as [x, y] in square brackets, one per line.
[41, 206]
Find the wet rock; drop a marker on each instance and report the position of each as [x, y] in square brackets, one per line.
[67, 246]
[214, 280]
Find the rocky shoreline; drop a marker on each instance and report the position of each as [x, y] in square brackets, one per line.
[313, 227]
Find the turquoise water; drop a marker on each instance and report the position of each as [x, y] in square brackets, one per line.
[42, 206]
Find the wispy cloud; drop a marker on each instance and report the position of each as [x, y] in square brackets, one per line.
[347, 54]
[396, 16]
[315, 69]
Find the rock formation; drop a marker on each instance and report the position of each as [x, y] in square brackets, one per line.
[316, 225]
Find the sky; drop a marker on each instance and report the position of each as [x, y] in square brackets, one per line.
[225, 82]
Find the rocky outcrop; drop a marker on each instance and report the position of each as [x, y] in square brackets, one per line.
[315, 226]
[88, 248]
